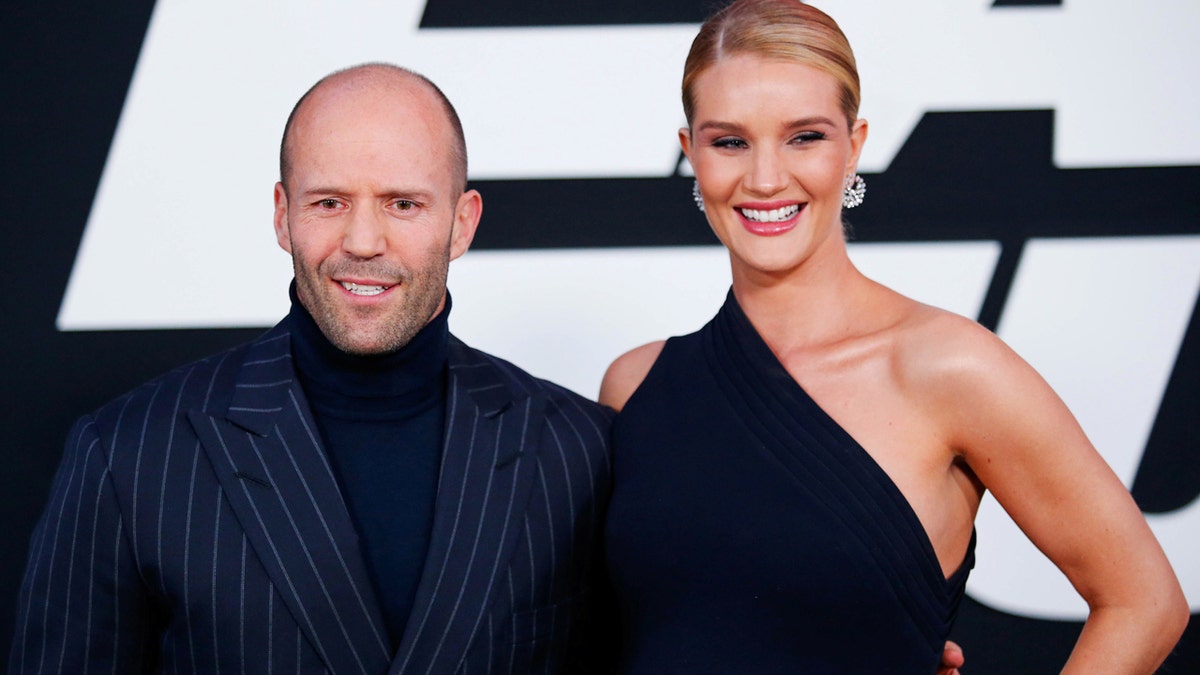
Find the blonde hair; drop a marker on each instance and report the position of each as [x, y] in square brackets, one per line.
[786, 30]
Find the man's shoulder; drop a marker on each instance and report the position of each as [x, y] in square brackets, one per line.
[206, 383]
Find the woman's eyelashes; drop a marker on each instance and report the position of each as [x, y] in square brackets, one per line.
[736, 143]
[808, 137]
[730, 142]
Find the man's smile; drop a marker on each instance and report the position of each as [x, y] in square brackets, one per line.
[363, 289]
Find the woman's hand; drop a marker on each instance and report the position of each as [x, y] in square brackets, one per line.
[952, 658]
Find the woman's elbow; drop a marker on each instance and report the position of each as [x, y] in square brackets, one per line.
[1177, 615]
[1167, 615]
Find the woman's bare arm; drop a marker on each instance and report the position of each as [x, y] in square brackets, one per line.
[1026, 447]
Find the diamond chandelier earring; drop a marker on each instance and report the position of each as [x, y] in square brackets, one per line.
[853, 191]
[696, 195]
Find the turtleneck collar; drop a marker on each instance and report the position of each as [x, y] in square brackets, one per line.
[395, 385]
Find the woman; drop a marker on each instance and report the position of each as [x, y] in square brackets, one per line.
[796, 483]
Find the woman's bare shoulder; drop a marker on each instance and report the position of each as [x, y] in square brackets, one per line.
[935, 343]
[964, 374]
[626, 373]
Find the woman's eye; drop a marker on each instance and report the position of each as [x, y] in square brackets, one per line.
[808, 137]
[729, 143]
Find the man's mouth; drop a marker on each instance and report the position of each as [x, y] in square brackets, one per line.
[773, 216]
[363, 289]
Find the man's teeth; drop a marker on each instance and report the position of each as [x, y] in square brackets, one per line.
[359, 289]
[772, 216]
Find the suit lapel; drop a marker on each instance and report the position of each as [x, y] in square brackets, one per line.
[266, 453]
[488, 467]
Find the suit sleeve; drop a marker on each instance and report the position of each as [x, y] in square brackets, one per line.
[596, 642]
[81, 606]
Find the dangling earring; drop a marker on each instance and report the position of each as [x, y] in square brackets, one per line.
[853, 191]
[696, 195]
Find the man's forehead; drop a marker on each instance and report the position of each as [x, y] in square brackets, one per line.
[380, 110]
[383, 88]
[389, 120]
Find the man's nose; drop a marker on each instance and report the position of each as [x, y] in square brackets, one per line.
[365, 235]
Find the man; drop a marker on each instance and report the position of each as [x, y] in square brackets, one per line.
[356, 491]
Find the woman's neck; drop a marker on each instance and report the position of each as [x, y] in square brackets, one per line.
[822, 301]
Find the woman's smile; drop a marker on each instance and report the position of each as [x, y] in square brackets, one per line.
[767, 221]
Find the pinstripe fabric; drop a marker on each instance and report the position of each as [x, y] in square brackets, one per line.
[194, 525]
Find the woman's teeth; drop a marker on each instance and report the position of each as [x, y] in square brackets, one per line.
[773, 216]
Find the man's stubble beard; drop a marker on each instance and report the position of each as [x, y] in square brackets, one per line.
[385, 330]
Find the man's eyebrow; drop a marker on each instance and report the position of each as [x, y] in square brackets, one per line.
[419, 194]
[400, 193]
[320, 190]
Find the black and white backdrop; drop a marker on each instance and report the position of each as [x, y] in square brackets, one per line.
[1034, 165]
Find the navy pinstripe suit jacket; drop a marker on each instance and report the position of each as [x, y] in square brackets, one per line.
[194, 525]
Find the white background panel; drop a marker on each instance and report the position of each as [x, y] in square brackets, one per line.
[1101, 320]
[566, 314]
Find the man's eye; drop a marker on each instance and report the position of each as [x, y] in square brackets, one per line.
[404, 205]
[328, 203]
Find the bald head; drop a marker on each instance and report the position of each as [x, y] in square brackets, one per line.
[372, 205]
[386, 79]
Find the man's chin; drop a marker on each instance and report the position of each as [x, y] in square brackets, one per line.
[377, 337]
[368, 330]
[368, 345]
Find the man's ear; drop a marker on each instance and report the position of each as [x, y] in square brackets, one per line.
[281, 220]
[466, 218]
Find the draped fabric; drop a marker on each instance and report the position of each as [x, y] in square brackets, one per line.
[748, 532]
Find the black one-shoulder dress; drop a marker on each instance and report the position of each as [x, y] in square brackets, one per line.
[749, 533]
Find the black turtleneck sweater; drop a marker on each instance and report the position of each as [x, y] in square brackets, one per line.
[381, 419]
